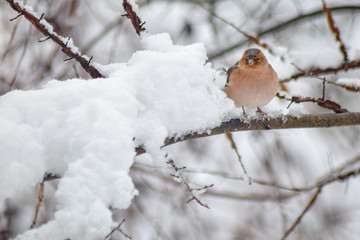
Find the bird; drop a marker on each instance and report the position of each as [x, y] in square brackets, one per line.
[251, 82]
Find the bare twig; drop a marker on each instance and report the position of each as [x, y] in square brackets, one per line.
[320, 101]
[335, 30]
[336, 175]
[12, 83]
[118, 228]
[233, 146]
[249, 37]
[179, 175]
[323, 79]
[135, 20]
[38, 205]
[340, 174]
[281, 26]
[43, 27]
[253, 197]
[307, 208]
[317, 71]
[14, 18]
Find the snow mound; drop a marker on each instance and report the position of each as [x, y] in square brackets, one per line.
[86, 131]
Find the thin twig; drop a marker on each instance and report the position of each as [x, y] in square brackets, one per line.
[135, 20]
[38, 205]
[280, 26]
[179, 175]
[335, 30]
[118, 228]
[331, 70]
[307, 208]
[320, 101]
[249, 37]
[233, 146]
[337, 175]
[12, 19]
[323, 79]
[323, 90]
[18, 65]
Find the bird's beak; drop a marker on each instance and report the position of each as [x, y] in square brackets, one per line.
[251, 59]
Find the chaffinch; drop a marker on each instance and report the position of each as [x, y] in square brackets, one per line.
[251, 82]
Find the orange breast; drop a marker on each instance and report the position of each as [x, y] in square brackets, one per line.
[252, 87]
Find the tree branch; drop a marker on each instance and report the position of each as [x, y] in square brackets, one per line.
[135, 20]
[298, 220]
[249, 37]
[43, 26]
[316, 71]
[279, 122]
[281, 26]
[335, 30]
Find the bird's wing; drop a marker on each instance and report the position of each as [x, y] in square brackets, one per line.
[228, 73]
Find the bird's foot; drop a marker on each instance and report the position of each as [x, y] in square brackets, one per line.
[259, 111]
[244, 113]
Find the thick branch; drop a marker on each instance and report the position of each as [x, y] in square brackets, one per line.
[280, 122]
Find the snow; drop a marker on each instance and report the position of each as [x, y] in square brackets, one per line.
[84, 130]
[351, 82]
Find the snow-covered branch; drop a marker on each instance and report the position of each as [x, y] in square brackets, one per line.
[66, 44]
[279, 122]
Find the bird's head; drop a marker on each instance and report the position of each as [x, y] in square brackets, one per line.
[253, 57]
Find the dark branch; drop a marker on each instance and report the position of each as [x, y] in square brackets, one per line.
[118, 228]
[37, 22]
[335, 30]
[135, 20]
[320, 101]
[178, 174]
[316, 71]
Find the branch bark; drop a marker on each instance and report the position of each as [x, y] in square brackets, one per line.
[39, 24]
[279, 122]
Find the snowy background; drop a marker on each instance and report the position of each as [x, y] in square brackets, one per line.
[168, 83]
